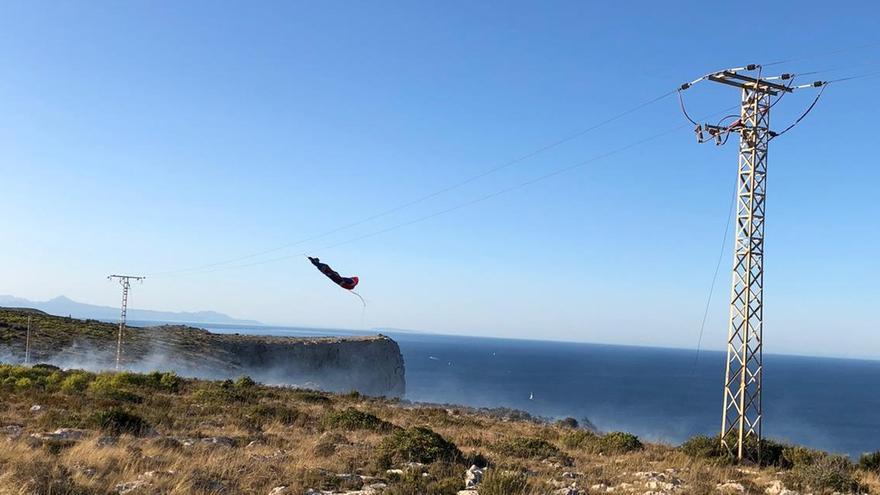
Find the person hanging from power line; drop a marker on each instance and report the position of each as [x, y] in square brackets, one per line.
[347, 283]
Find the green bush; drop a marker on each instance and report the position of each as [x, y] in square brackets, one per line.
[870, 462]
[828, 473]
[23, 384]
[418, 444]
[567, 423]
[504, 483]
[312, 396]
[245, 382]
[706, 447]
[118, 421]
[413, 483]
[799, 456]
[617, 442]
[353, 419]
[76, 381]
[526, 448]
[115, 387]
[275, 412]
[579, 439]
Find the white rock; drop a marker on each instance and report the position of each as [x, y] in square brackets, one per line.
[394, 471]
[731, 486]
[156, 474]
[219, 441]
[61, 434]
[473, 477]
[279, 490]
[36, 408]
[131, 486]
[12, 431]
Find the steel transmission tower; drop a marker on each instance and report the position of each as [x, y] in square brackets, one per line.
[125, 282]
[743, 410]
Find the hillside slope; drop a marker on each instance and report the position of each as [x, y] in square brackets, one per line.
[77, 433]
[371, 365]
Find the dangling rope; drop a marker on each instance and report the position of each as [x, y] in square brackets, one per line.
[359, 297]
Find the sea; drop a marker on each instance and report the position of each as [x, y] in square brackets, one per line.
[662, 395]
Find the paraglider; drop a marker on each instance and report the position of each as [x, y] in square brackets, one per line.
[347, 283]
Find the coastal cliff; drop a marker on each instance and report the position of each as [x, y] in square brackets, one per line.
[371, 365]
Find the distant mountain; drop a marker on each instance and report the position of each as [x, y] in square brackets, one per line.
[64, 306]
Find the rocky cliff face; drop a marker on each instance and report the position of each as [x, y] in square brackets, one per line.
[370, 365]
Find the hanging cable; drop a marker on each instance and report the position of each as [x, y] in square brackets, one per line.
[684, 110]
[472, 202]
[824, 54]
[810, 108]
[715, 277]
[428, 196]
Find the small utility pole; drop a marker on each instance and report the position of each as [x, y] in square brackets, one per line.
[125, 282]
[27, 343]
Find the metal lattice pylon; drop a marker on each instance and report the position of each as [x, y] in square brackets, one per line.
[125, 281]
[741, 421]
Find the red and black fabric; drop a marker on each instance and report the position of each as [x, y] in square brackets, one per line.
[347, 283]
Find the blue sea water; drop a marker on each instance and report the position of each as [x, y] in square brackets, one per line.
[661, 395]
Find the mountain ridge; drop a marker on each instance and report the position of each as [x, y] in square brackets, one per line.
[64, 306]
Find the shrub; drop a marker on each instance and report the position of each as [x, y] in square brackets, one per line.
[311, 396]
[526, 448]
[504, 483]
[617, 442]
[579, 439]
[567, 423]
[118, 421]
[827, 473]
[870, 462]
[353, 419]
[706, 447]
[413, 483]
[76, 381]
[276, 412]
[23, 384]
[245, 382]
[798, 456]
[418, 444]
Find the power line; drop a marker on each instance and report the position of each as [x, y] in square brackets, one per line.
[474, 201]
[228, 263]
[433, 194]
[824, 54]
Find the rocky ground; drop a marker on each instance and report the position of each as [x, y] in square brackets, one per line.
[72, 432]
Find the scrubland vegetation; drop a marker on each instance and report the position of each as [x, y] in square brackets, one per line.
[74, 432]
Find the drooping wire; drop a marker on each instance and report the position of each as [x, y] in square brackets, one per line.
[850, 78]
[683, 109]
[431, 195]
[803, 115]
[472, 202]
[715, 276]
[824, 54]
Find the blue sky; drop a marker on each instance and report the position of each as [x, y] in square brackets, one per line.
[148, 137]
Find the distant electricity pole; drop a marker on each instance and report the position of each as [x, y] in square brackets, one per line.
[743, 410]
[125, 282]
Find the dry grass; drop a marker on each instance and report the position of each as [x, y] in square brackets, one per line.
[238, 437]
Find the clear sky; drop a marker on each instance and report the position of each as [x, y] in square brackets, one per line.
[146, 137]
